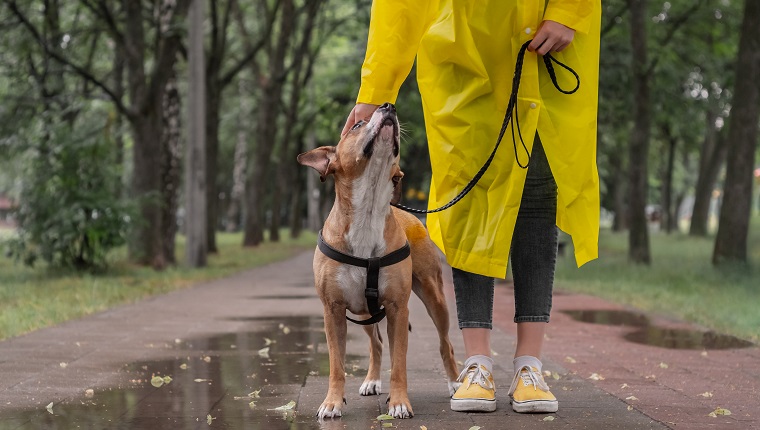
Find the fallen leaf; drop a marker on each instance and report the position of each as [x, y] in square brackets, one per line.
[209, 419]
[291, 404]
[252, 404]
[570, 359]
[167, 379]
[555, 376]
[719, 411]
[281, 326]
[268, 341]
[703, 354]
[706, 394]
[177, 340]
[201, 380]
[64, 365]
[630, 408]
[264, 352]
[183, 366]
[624, 386]
[423, 427]
[157, 381]
[89, 393]
[50, 407]
[286, 329]
[459, 362]
[207, 359]
[494, 353]
[549, 418]
[384, 417]
[631, 398]
[474, 428]
[663, 365]
[547, 373]
[254, 394]
[596, 377]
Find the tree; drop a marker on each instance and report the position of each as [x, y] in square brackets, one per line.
[733, 225]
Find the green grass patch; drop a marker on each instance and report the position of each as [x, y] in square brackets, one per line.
[681, 283]
[33, 298]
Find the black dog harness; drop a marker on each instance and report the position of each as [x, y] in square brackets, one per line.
[373, 266]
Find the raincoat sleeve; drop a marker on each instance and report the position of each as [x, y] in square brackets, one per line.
[576, 14]
[395, 30]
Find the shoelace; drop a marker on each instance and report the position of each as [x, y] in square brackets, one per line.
[476, 375]
[529, 377]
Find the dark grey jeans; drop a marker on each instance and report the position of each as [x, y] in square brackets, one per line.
[533, 255]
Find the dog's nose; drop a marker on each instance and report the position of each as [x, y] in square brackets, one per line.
[388, 107]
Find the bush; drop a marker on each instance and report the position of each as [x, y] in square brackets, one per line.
[70, 213]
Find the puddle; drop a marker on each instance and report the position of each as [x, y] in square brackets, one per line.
[685, 339]
[207, 374]
[283, 297]
[609, 317]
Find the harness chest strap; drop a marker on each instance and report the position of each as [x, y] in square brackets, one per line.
[373, 265]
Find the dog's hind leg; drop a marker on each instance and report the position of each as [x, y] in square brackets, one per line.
[372, 383]
[429, 288]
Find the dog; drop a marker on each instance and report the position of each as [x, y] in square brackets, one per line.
[363, 224]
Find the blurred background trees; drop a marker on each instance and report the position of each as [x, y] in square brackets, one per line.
[93, 120]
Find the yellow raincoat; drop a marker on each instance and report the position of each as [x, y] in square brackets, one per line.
[466, 52]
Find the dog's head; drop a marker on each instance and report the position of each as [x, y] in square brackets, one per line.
[370, 148]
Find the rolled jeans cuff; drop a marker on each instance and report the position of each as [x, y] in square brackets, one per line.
[475, 324]
[544, 319]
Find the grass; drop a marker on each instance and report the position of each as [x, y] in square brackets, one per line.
[681, 282]
[33, 298]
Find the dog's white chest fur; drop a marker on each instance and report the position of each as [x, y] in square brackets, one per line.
[371, 193]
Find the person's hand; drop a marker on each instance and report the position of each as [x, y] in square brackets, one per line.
[362, 111]
[551, 37]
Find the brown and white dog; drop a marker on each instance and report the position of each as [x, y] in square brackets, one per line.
[363, 224]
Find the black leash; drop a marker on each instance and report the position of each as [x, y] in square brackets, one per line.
[373, 266]
[509, 118]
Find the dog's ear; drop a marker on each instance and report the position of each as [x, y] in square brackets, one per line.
[319, 159]
[396, 199]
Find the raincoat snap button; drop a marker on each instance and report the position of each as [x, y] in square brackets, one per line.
[527, 30]
[533, 105]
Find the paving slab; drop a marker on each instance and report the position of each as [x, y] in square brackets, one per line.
[221, 341]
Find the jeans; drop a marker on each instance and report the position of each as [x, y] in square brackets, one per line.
[533, 255]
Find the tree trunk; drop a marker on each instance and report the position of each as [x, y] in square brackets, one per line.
[733, 224]
[666, 223]
[259, 179]
[195, 215]
[213, 104]
[171, 146]
[638, 235]
[712, 156]
[235, 208]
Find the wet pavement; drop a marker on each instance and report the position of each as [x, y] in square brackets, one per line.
[229, 353]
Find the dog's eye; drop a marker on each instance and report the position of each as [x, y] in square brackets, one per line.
[357, 125]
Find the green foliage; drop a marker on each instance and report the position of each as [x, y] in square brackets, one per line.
[70, 214]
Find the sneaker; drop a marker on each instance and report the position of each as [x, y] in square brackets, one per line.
[530, 393]
[477, 392]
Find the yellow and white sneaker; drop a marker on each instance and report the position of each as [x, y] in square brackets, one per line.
[477, 392]
[530, 393]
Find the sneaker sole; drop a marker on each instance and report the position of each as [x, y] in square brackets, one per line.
[535, 406]
[473, 405]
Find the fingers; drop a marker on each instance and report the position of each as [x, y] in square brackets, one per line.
[551, 37]
[362, 111]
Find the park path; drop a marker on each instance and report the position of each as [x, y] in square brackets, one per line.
[209, 339]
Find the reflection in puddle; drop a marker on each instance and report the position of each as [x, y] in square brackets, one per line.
[658, 336]
[207, 374]
[609, 317]
[685, 339]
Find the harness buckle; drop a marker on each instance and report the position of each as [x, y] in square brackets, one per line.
[371, 293]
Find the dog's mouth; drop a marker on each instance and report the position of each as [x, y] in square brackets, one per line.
[385, 131]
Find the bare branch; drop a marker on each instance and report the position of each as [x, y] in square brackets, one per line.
[81, 71]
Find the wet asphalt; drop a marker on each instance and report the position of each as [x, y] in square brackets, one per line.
[234, 354]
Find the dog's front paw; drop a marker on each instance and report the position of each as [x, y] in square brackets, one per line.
[330, 409]
[370, 387]
[401, 409]
[453, 387]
